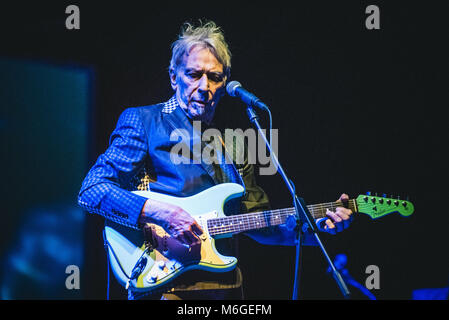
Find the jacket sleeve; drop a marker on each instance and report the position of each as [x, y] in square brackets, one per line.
[102, 190]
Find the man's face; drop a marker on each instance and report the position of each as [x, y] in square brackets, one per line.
[199, 83]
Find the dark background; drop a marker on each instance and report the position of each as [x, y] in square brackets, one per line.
[357, 110]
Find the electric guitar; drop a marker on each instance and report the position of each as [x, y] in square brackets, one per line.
[149, 262]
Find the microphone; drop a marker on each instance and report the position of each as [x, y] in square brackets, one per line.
[235, 89]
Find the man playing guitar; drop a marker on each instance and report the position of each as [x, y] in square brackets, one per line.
[138, 158]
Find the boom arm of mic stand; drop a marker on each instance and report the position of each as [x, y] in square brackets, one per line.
[302, 213]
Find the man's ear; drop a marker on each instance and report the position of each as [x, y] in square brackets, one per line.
[173, 79]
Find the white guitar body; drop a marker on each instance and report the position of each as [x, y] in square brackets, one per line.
[170, 258]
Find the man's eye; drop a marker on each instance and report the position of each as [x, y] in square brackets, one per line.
[216, 77]
[194, 75]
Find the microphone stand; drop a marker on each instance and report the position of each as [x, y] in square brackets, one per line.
[302, 214]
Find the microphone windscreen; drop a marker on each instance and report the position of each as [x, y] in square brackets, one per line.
[230, 88]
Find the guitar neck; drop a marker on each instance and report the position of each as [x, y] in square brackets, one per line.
[257, 220]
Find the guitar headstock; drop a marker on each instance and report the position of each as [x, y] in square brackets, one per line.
[377, 207]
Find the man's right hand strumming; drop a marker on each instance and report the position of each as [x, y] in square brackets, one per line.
[175, 221]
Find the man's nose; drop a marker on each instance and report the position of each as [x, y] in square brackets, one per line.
[204, 83]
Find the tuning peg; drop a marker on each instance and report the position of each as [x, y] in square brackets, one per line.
[368, 193]
[384, 195]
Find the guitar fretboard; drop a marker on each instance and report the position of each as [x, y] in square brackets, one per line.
[258, 220]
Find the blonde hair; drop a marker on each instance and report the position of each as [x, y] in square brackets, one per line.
[207, 35]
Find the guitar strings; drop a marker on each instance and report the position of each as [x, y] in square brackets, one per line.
[266, 218]
[271, 213]
[319, 207]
